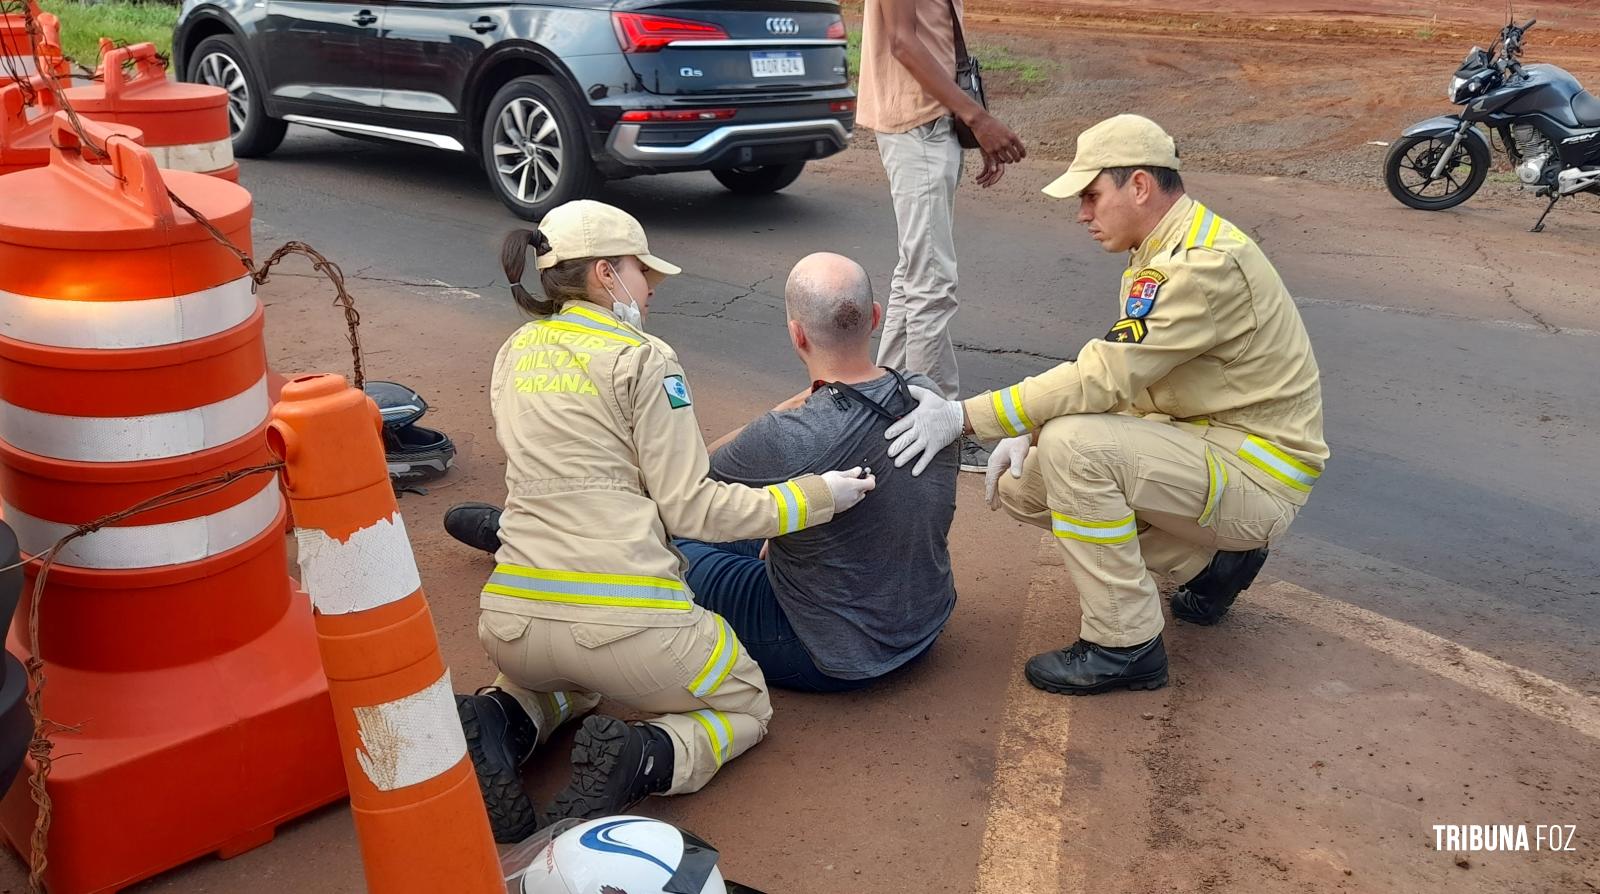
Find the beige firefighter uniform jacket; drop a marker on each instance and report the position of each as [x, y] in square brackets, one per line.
[605, 461]
[1209, 336]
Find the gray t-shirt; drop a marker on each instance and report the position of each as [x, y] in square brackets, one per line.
[869, 590]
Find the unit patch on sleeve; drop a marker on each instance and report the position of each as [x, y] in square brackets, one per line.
[677, 392]
[1131, 331]
[1141, 297]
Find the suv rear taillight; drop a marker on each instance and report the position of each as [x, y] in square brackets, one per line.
[638, 33]
[836, 30]
[678, 115]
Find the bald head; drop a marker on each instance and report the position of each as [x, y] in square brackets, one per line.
[830, 297]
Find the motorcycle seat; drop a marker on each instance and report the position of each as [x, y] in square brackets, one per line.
[1586, 106]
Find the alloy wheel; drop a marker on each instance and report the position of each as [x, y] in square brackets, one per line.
[1419, 163]
[219, 70]
[527, 150]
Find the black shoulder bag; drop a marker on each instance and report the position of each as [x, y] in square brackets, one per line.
[969, 77]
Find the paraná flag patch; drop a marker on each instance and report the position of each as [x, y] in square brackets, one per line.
[677, 392]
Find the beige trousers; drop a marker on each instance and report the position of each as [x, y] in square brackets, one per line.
[710, 695]
[1127, 497]
[924, 168]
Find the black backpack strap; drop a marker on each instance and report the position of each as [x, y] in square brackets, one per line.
[876, 408]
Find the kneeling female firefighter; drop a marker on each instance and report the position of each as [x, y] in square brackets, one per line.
[604, 463]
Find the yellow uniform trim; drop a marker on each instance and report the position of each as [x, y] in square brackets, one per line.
[792, 506]
[1218, 482]
[1008, 411]
[588, 588]
[565, 326]
[1101, 532]
[1267, 457]
[718, 730]
[719, 664]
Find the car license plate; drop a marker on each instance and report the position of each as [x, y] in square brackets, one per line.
[777, 64]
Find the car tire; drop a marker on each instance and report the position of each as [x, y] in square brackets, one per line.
[759, 179]
[219, 62]
[533, 176]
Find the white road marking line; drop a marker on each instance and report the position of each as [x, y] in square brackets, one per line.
[1536, 694]
[1023, 828]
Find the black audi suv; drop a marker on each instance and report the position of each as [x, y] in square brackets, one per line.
[551, 96]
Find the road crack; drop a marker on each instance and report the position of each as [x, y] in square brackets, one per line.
[1008, 352]
[749, 292]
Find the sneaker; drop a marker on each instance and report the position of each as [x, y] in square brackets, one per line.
[615, 765]
[475, 524]
[1085, 668]
[500, 739]
[1206, 599]
[974, 456]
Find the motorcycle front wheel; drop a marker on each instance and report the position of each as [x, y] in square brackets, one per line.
[1408, 171]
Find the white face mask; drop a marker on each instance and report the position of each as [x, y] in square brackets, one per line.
[628, 313]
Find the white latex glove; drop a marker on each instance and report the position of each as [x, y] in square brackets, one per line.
[1008, 454]
[923, 432]
[848, 487]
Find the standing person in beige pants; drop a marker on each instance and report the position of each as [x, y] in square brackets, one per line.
[909, 97]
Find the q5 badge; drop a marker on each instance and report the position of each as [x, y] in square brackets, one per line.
[1141, 298]
[677, 392]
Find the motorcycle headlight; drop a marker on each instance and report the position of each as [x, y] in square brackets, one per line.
[1457, 91]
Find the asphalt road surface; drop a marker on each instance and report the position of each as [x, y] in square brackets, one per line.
[1421, 648]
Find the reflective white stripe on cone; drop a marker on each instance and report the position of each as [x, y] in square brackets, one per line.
[412, 739]
[70, 321]
[201, 158]
[152, 546]
[373, 567]
[114, 439]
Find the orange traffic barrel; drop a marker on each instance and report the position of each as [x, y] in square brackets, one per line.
[15, 43]
[418, 811]
[27, 119]
[131, 363]
[185, 125]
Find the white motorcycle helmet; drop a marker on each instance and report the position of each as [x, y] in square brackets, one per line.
[624, 855]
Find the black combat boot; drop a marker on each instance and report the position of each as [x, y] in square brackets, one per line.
[1085, 668]
[1206, 599]
[475, 524]
[500, 739]
[614, 766]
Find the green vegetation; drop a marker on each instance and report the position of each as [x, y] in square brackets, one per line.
[1029, 71]
[83, 26]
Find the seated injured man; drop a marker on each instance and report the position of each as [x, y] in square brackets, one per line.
[835, 607]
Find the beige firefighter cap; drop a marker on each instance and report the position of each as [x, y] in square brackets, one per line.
[590, 229]
[1126, 141]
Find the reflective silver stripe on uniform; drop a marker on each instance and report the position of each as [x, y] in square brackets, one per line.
[80, 321]
[563, 707]
[1089, 531]
[152, 546]
[1265, 456]
[720, 662]
[718, 730]
[1017, 421]
[583, 588]
[1217, 474]
[412, 739]
[199, 158]
[593, 321]
[114, 439]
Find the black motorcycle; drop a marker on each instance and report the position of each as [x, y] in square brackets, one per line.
[1548, 124]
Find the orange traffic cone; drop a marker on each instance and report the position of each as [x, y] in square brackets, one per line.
[418, 813]
[132, 362]
[185, 125]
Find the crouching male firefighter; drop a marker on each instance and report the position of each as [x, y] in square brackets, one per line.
[1181, 443]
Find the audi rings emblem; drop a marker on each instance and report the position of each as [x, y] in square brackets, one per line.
[780, 25]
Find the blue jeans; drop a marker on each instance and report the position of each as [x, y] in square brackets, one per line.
[731, 580]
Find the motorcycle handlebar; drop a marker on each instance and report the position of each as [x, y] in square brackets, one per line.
[1529, 24]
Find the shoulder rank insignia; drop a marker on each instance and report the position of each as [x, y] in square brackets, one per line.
[1132, 331]
[677, 392]
[1142, 292]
